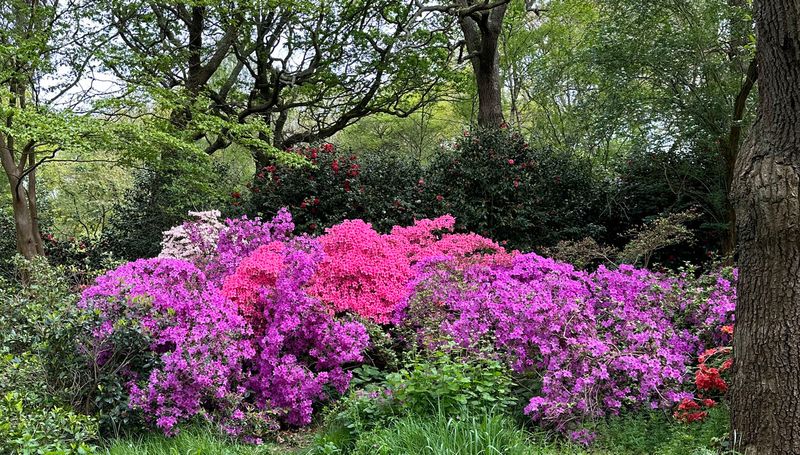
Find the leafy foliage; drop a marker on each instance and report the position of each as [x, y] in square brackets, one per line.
[497, 186]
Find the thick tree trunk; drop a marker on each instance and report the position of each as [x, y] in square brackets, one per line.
[766, 393]
[487, 78]
[482, 38]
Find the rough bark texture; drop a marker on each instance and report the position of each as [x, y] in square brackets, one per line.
[482, 38]
[766, 393]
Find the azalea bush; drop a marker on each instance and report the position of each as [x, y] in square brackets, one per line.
[591, 344]
[207, 354]
[250, 326]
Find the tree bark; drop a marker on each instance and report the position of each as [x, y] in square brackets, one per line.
[482, 38]
[29, 242]
[766, 394]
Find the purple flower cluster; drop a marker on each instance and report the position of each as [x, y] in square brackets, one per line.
[303, 346]
[595, 343]
[202, 341]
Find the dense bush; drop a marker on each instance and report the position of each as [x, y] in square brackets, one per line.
[426, 387]
[497, 186]
[47, 386]
[339, 185]
[243, 361]
[28, 426]
[595, 344]
[649, 184]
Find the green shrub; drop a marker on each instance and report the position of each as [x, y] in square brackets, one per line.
[379, 188]
[449, 384]
[440, 385]
[496, 186]
[26, 427]
[48, 348]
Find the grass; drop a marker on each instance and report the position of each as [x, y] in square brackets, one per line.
[196, 440]
[645, 433]
[443, 435]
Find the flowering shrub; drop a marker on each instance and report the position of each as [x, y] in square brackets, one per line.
[208, 358]
[598, 343]
[196, 335]
[711, 380]
[368, 273]
[192, 240]
[499, 187]
[302, 346]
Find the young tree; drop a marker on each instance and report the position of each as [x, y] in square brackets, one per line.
[33, 38]
[766, 392]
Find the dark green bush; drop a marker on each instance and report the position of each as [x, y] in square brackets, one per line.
[379, 188]
[496, 186]
[654, 184]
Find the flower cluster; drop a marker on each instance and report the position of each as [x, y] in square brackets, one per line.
[301, 347]
[368, 273]
[599, 342]
[199, 339]
[193, 240]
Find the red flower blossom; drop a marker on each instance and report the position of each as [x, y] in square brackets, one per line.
[727, 364]
[709, 379]
[335, 165]
[327, 147]
[236, 195]
[689, 411]
[439, 197]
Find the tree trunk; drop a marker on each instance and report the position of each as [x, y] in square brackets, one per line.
[28, 240]
[482, 39]
[487, 78]
[766, 394]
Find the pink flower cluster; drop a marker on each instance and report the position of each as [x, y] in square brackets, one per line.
[368, 273]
